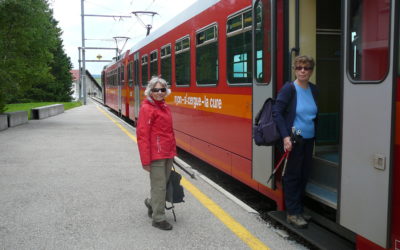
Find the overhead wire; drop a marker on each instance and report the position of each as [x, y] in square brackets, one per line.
[115, 29]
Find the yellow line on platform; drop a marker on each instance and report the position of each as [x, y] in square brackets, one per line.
[240, 231]
[252, 241]
[118, 124]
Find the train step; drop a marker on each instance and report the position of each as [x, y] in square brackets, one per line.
[315, 234]
[322, 194]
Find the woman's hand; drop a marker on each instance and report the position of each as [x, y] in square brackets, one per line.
[287, 144]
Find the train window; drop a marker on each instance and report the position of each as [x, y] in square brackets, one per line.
[145, 72]
[166, 63]
[235, 23]
[368, 42]
[182, 61]
[136, 68]
[153, 63]
[207, 56]
[247, 19]
[130, 71]
[239, 48]
[262, 42]
[122, 69]
[118, 76]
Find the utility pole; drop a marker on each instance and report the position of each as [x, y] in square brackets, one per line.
[80, 75]
[83, 48]
[117, 52]
[83, 53]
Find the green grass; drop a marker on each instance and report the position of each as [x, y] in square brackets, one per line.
[31, 105]
[98, 80]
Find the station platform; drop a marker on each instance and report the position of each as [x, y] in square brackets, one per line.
[75, 181]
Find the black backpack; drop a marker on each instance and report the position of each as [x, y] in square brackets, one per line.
[175, 192]
[265, 131]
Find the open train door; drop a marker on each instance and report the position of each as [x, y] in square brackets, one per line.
[368, 80]
[263, 82]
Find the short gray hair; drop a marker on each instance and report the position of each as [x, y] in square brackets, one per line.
[153, 82]
[304, 59]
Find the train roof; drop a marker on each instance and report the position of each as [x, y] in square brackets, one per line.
[193, 10]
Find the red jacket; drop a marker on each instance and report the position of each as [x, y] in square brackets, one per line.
[154, 131]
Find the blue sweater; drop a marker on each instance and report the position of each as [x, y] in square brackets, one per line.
[306, 112]
[284, 109]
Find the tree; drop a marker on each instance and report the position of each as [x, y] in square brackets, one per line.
[33, 66]
[57, 88]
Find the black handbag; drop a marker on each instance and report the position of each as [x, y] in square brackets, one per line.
[175, 192]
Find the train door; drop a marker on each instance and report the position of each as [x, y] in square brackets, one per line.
[263, 81]
[124, 90]
[136, 89]
[129, 107]
[103, 85]
[314, 29]
[119, 86]
[368, 92]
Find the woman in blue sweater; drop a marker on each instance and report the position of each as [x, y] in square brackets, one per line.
[296, 107]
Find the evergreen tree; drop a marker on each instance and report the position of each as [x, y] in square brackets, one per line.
[61, 69]
[26, 37]
[59, 87]
[33, 65]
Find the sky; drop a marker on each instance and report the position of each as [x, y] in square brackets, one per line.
[99, 31]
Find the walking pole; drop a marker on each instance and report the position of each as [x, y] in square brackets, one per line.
[294, 141]
[278, 165]
[284, 165]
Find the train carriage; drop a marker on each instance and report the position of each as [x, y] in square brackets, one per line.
[223, 58]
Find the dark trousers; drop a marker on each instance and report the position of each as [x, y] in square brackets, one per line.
[296, 175]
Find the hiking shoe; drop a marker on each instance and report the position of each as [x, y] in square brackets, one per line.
[149, 208]
[163, 225]
[297, 221]
[305, 216]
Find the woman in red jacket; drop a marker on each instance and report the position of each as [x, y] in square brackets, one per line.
[157, 147]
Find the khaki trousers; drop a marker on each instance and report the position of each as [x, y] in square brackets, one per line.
[159, 175]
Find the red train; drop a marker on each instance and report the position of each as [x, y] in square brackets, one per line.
[223, 58]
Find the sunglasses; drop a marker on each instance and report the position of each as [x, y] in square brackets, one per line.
[155, 90]
[301, 68]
